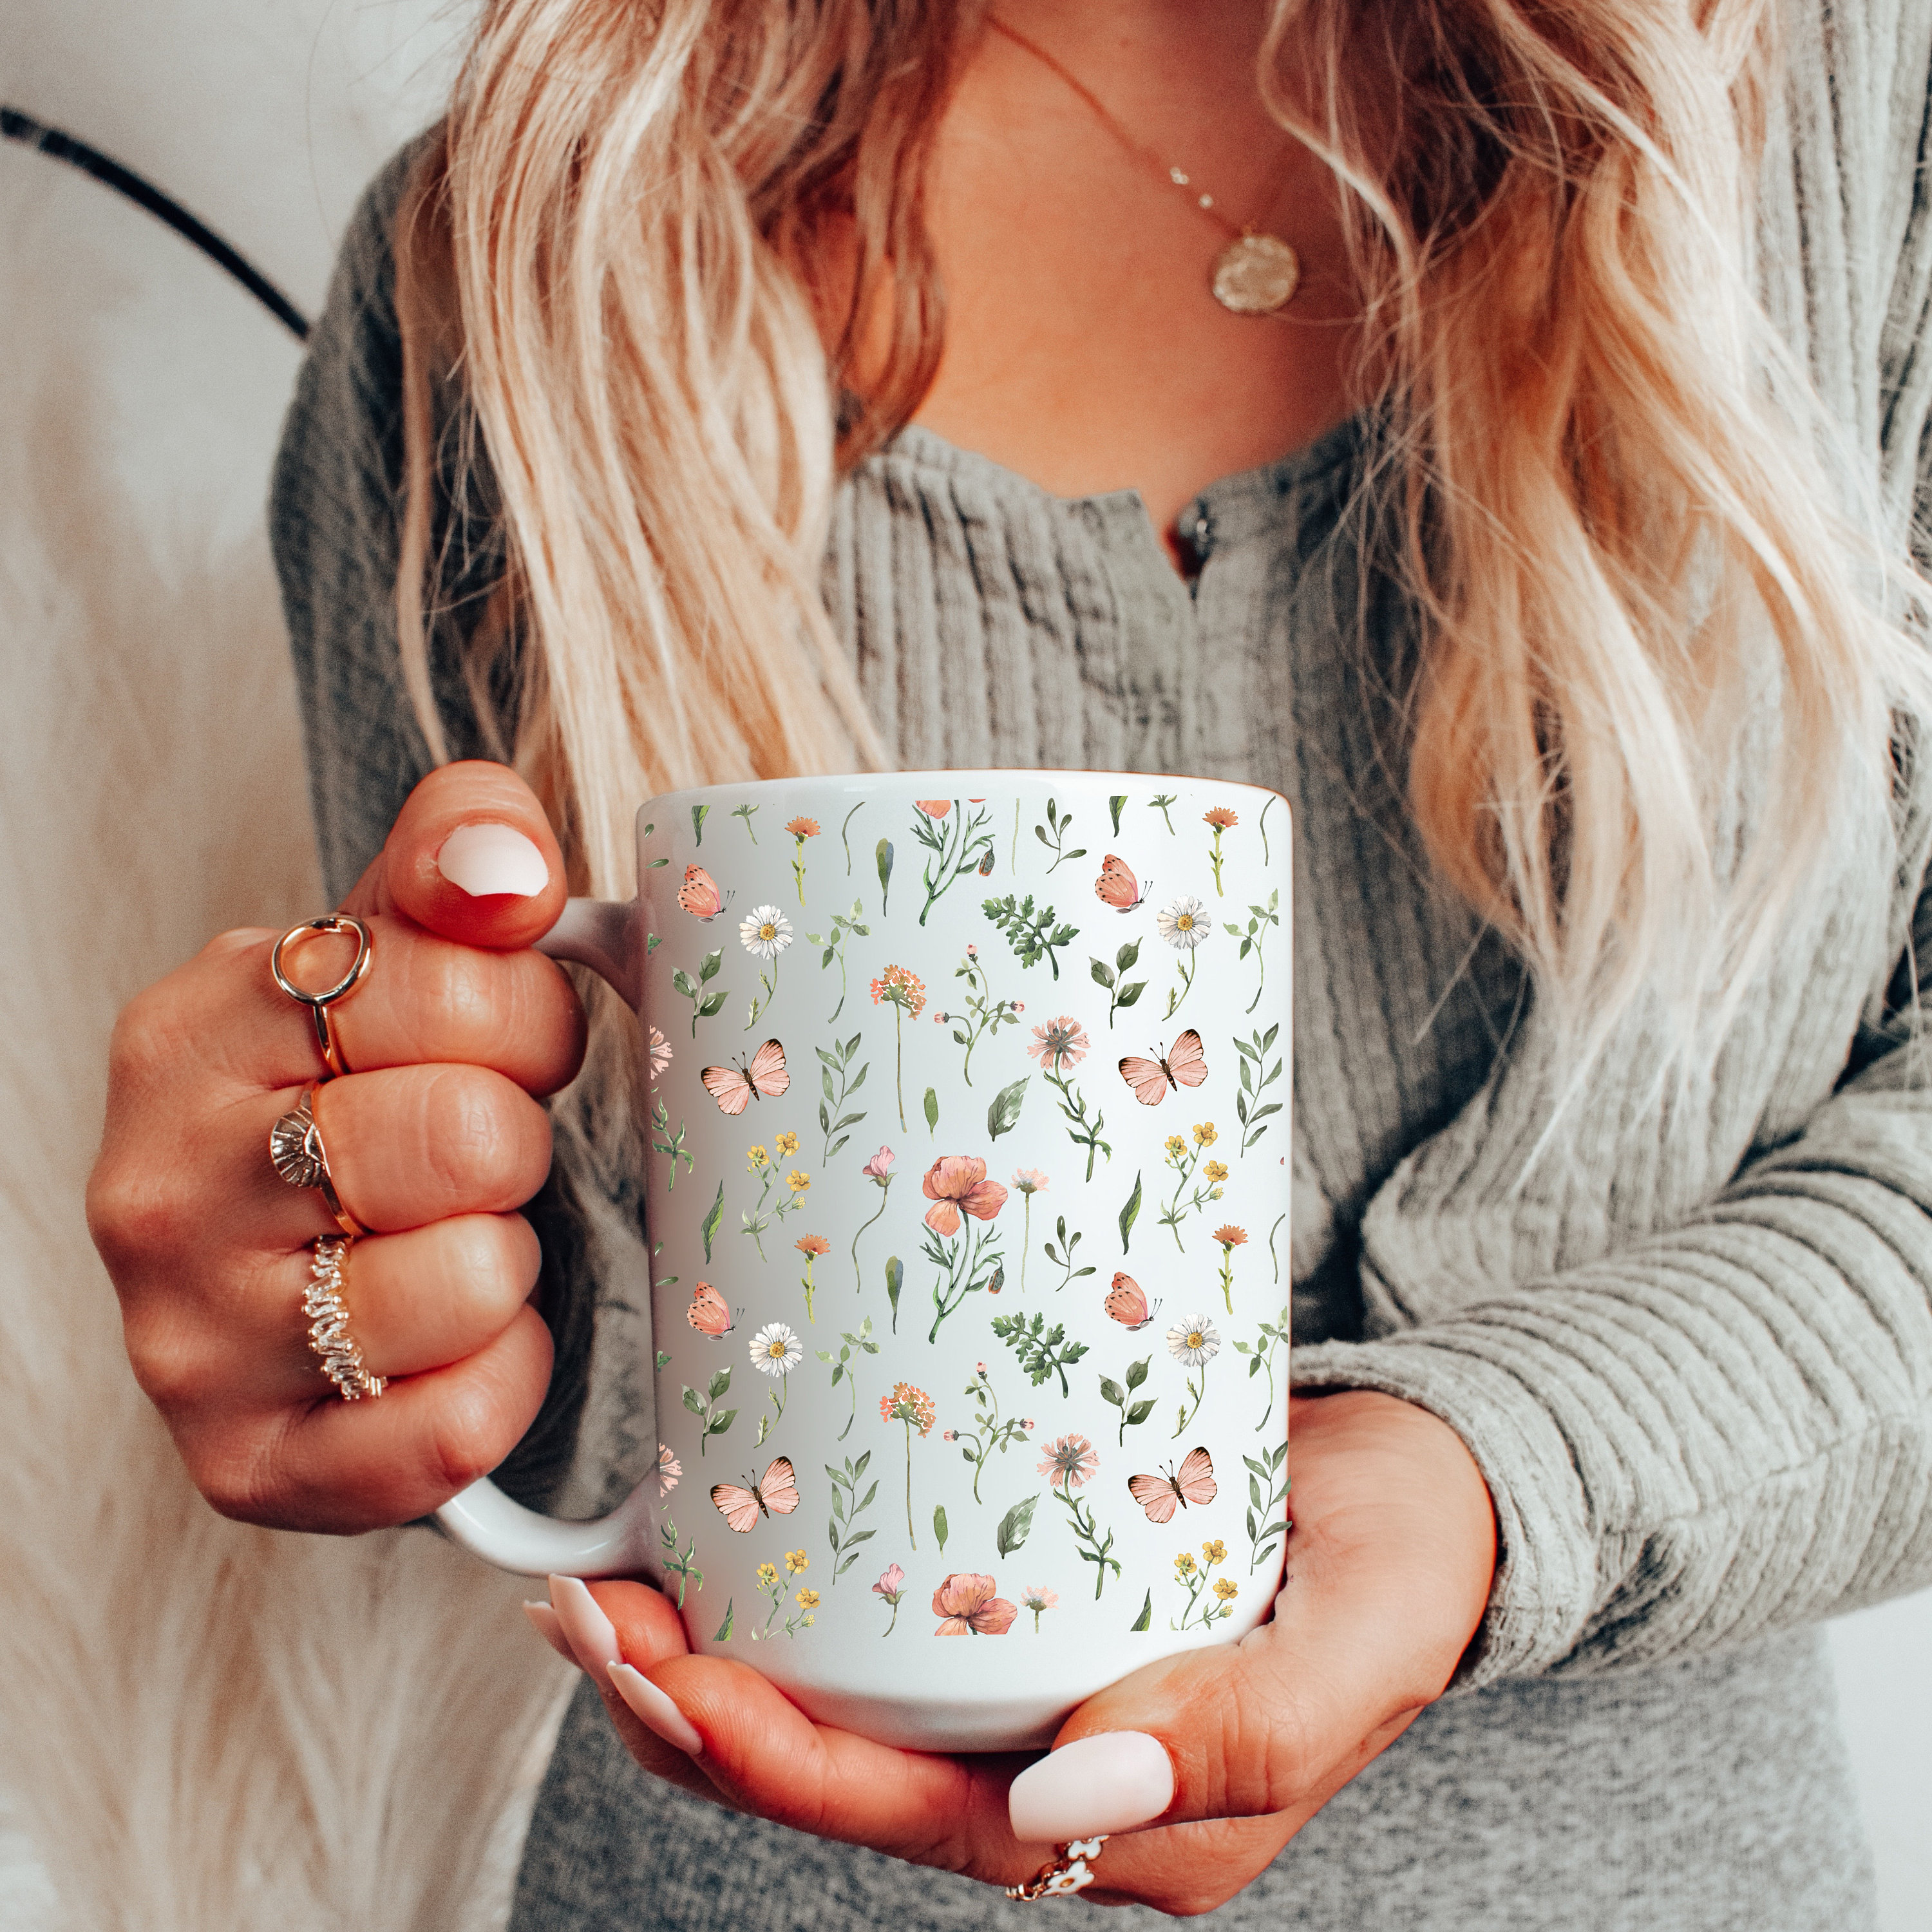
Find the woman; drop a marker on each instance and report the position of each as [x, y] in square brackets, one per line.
[1571, 641]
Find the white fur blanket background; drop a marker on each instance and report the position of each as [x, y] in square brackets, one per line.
[203, 1727]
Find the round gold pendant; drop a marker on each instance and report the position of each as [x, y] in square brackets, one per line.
[1255, 275]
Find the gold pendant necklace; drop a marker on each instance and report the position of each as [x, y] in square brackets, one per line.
[1257, 273]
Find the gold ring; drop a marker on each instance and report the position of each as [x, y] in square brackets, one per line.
[329, 1323]
[1071, 1871]
[319, 1004]
[296, 1147]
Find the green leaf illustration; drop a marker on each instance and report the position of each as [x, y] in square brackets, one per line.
[895, 1281]
[939, 1526]
[1113, 805]
[712, 1219]
[724, 1629]
[699, 813]
[932, 1110]
[1015, 1525]
[1128, 1214]
[1003, 1115]
[1145, 1620]
[885, 873]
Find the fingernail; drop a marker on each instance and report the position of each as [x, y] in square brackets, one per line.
[1110, 1782]
[591, 1635]
[487, 859]
[654, 1710]
[543, 1619]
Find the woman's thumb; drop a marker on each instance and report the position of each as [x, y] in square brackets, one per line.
[470, 857]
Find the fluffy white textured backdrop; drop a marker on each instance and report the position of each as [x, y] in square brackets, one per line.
[204, 1727]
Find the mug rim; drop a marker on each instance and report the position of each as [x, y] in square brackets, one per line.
[1006, 773]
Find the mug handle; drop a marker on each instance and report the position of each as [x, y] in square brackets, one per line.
[602, 934]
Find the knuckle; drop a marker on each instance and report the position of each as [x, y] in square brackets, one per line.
[132, 1216]
[469, 1435]
[236, 1477]
[479, 1141]
[459, 985]
[494, 1256]
[170, 1376]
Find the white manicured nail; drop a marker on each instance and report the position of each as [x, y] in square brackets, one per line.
[486, 859]
[1110, 1782]
[543, 1618]
[654, 1710]
[592, 1634]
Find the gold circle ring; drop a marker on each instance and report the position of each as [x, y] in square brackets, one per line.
[319, 1004]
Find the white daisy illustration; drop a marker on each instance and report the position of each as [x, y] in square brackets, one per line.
[776, 1349]
[766, 931]
[1184, 924]
[1195, 1341]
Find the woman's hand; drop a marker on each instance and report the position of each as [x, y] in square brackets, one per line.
[434, 1139]
[1230, 1750]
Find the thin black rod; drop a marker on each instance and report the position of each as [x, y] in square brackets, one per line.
[16, 126]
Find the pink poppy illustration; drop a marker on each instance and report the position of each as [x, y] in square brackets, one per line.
[933, 808]
[957, 1180]
[967, 1604]
[880, 1167]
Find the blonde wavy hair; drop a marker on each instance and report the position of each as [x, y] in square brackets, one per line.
[1604, 465]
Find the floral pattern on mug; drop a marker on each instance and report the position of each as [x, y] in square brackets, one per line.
[967, 1605]
[956, 1227]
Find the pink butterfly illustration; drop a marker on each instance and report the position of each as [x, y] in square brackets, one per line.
[1127, 1305]
[774, 1494]
[1117, 886]
[1161, 1495]
[708, 1313]
[699, 894]
[734, 1088]
[1152, 1080]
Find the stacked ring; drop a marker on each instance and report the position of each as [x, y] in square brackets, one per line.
[319, 1004]
[1071, 1871]
[328, 1322]
[296, 1147]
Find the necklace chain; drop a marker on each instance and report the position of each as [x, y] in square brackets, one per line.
[1167, 170]
[1256, 273]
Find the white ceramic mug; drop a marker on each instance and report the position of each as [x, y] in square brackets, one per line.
[967, 1196]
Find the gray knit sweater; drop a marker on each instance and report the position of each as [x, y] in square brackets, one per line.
[1690, 1346]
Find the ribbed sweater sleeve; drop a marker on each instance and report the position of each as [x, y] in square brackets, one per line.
[1719, 1431]
[1725, 1428]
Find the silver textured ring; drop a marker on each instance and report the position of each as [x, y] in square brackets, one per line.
[1071, 1871]
[319, 1004]
[328, 1333]
[296, 1147]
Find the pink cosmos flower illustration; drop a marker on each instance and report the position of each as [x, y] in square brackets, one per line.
[967, 1603]
[1070, 1462]
[880, 1167]
[1060, 1043]
[957, 1180]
